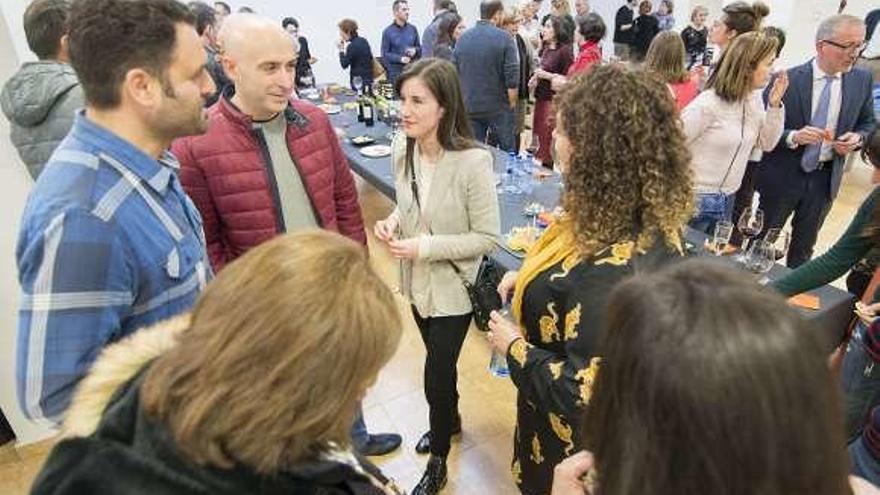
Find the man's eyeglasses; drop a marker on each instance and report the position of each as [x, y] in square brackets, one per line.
[849, 48]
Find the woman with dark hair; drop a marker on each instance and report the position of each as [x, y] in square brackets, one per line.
[645, 27]
[709, 384]
[556, 57]
[861, 382]
[625, 207]
[304, 60]
[446, 28]
[666, 59]
[738, 18]
[355, 52]
[239, 396]
[591, 27]
[446, 219]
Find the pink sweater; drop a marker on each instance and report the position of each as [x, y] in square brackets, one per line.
[718, 135]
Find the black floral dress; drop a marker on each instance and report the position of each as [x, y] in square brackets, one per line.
[563, 311]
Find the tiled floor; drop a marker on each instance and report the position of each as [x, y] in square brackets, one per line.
[479, 462]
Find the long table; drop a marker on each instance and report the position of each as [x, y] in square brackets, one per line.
[831, 319]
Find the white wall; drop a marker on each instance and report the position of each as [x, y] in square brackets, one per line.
[16, 184]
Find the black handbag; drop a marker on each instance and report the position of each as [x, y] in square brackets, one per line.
[483, 293]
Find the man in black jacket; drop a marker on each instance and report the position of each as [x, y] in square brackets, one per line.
[623, 30]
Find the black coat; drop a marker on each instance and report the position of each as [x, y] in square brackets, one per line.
[645, 27]
[131, 454]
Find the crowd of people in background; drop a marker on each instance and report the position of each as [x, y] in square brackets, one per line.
[184, 187]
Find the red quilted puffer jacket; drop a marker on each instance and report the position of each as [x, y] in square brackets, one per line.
[227, 174]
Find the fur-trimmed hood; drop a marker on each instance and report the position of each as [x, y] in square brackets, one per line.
[111, 445]
[115, 366]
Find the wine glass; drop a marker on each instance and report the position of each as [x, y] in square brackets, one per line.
[358, 83]
[393, 118]
[780, 239]
[761, 258]
[308, 80]
[750, 224]
[721, 236]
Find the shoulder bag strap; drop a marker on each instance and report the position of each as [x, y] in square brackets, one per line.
[414, 186]
[742, 135]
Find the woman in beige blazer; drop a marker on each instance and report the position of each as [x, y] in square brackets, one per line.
[447, 211]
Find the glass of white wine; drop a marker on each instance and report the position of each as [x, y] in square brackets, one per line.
[721, 237]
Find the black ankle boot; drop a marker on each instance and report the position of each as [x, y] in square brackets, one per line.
[434, 478]
[423, 446]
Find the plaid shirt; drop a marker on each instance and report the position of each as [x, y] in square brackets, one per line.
[109, 243]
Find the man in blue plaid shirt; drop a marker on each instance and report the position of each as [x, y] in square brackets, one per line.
[109, 241]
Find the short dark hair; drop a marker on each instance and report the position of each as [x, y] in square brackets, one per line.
[349, 27]
[488, 8]
[288, 21]
[397, 3]
[204, 14]
[45, 23]
[712, 378]
[225, 6]
[110, 37]
[591, 27]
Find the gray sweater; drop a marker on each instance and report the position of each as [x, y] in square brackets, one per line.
[40, 101]
[488, 65]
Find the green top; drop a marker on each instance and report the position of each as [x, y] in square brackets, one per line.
[849, 249]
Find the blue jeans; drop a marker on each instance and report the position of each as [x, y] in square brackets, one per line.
[861, 382]
[359, 434]
[706, 224]
[502, 126]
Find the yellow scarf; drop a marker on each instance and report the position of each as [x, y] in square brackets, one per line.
[555, 245]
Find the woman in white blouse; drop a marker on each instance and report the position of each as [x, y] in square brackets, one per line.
[446, 219]
[728, 120]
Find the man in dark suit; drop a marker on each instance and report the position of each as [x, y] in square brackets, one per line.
[828, 114]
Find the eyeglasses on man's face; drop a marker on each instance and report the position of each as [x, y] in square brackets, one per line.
[848, 47]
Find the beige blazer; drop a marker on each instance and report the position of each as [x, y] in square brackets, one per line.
[461, 209]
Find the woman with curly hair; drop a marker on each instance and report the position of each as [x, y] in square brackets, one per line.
[627, 197]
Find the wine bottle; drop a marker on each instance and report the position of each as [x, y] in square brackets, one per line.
[369, 111]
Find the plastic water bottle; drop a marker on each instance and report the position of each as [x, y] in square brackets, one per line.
[498, 366]
[509, 179]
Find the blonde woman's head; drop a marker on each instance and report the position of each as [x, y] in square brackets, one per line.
[282, 346]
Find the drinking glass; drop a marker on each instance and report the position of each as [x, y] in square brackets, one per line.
[761, 258]
[721, 236]
[308, 80]
[780, 239]
[750, 224]
[358, 83]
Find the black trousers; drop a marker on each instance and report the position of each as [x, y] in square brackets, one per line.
[809, 204]
[443, 337]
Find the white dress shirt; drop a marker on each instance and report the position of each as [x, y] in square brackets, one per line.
[827, 152]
